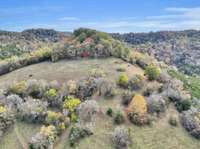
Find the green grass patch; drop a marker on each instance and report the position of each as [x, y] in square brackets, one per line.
[192, 84]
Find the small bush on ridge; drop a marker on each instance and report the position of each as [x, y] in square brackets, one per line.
[152, 72]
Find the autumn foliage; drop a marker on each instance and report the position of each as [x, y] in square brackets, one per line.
[138, 105]
[137, 110]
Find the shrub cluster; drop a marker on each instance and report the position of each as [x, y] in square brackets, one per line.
[123, 80]
[97, 73]
[58, 120]
[70, 104]
[36, 88]
[127, 96]
[183, 105]
[15, 62]
[87, 111]
[6, 119]
[164, 77]
[109, 112]
[156, 104]
[44, 139]
[152, 88]
[118, 117]
[86, 88]
[14, 101]
[32, 110]
[175, 92]
[191, 122]
[71, 87]
[77, 133]
[152, 72]
[53, 97]
[105, 87]
[32, 87]
[19, 88]
[121, 138]
[136, 82]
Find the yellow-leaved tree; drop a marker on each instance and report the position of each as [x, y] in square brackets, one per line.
[137, 110]
[138, 105]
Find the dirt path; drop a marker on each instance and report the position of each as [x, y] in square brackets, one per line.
[20, 137]
[61, 143]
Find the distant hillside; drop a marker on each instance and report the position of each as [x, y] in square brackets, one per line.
[179, 48]
[17, 43]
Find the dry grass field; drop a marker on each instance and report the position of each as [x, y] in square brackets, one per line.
[161, 135]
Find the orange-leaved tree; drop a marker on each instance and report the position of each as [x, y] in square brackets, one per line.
[137, 110]
[138, 105]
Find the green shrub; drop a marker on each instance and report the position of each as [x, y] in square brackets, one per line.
[97, 73]
[82, 37]
[106, 88]
[136, 82]
[51, 93]
[36, 88]
[19, 88]
[53, 117]
[127, 96]
[73, 117]
[190, 83]
[138, 120]
[183, 105]
[119, 118]
[109, 112]
[71, 103]
[123, 80]
[10, 50]
[44, 139]
[173, 121]
[78, 133]
[152, 72]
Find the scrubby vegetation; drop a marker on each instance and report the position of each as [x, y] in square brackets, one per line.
[78, 133]
[123, 80]
[101, 100]
[178, 48]
[118, 117]
[121, 138]
[137, 110]
[152, 72]
[44, 139]
[6, 119]
[191, 84]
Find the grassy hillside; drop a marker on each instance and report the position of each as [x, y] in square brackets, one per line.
[93, 91]
[191, 84]
[159, 135]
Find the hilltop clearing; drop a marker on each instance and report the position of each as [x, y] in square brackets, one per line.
[93, 91]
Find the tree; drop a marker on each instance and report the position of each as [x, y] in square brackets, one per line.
[138, 105]
[152, 72]
[137, 110]
[123, 80]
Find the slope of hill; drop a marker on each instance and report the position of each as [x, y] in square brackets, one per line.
[178, 48]
[95, 92]
[18, 43]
